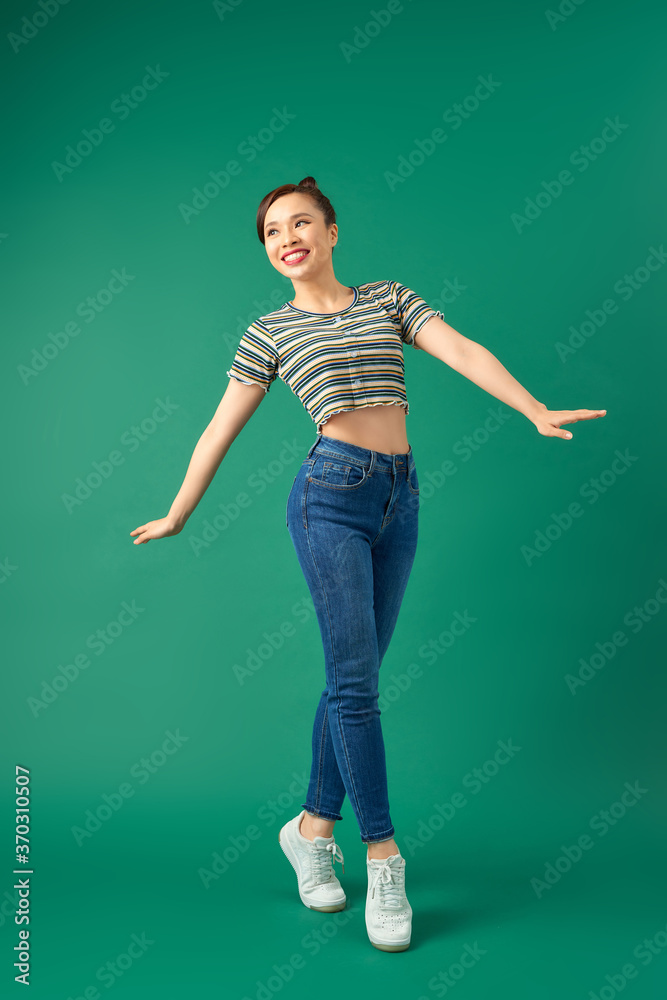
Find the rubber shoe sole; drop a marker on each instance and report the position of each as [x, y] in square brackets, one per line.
[389, 947]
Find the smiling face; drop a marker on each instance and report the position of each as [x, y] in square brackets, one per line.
[294, 222]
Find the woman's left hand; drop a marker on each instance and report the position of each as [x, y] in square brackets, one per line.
[548, 421]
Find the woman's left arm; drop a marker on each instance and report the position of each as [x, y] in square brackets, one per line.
[475, 362]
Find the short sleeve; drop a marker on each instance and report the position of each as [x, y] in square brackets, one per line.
[412, 311]
[256, 358]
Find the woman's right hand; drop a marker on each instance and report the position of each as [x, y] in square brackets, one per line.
[161, 528]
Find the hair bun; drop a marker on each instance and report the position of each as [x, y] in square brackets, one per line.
[308, 182]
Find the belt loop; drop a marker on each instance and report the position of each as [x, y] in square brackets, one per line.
[314, 445]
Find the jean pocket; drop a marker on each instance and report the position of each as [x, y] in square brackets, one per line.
[337, 475]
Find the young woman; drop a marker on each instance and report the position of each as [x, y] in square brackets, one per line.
[351, 513]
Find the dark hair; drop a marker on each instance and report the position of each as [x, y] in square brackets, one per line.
[307, 186]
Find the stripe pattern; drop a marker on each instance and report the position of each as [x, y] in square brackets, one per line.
[337, 361]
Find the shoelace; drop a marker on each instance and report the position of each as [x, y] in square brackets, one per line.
[391, 882]
[321, 863]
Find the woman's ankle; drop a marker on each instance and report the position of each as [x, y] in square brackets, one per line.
[381, 849]
[315, 826]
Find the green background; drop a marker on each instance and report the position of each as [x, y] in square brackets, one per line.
[171, 334]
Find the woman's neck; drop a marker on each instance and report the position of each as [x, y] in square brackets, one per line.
[324, 297]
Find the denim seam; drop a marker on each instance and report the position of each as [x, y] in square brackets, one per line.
[347, 487]
[321, 815]
[385, 523]
[304, 495]
[318, 795]
[335, 673]
[386, 835]
[348, 459]
[341, 455]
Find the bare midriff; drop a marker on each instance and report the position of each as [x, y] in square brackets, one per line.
[379, 428]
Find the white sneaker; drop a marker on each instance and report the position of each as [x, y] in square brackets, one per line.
[388, 913]
[312, 860]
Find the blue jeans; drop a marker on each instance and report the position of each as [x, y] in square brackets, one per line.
[352, 516]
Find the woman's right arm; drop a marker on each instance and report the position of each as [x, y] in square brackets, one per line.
[236, 407]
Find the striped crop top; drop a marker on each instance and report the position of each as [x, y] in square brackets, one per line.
[336, 361]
